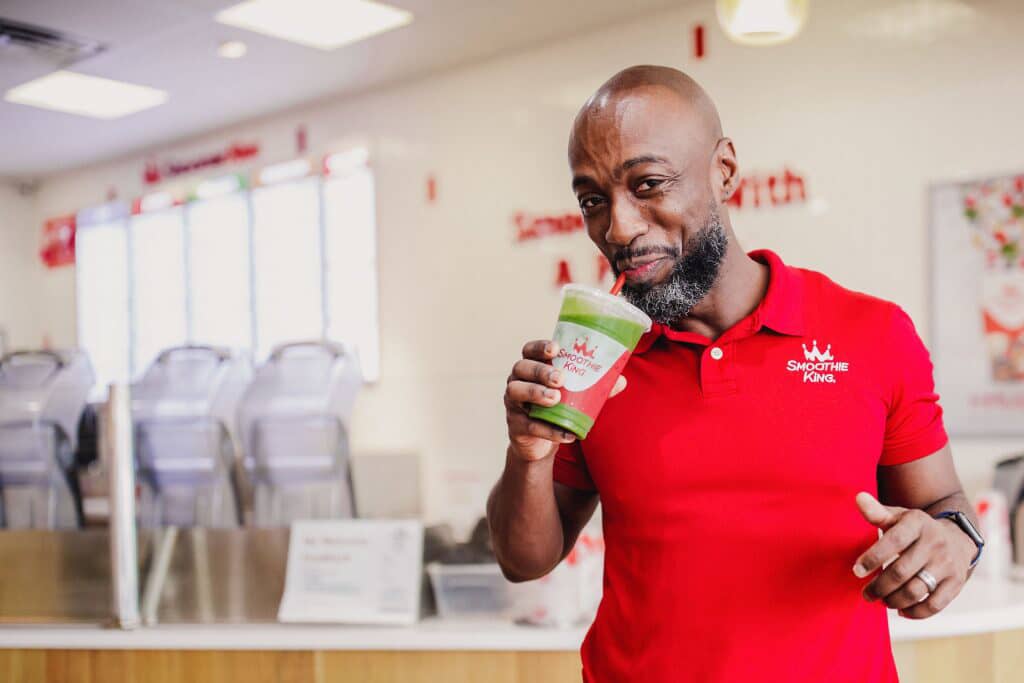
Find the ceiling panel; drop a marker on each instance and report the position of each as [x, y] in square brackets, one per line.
[171, 44]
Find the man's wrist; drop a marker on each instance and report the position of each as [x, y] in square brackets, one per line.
[965, 542]
[527, 467]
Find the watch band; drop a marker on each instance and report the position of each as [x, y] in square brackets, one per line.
[962, 521]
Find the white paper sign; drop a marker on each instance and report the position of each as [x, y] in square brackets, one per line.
[355, 571]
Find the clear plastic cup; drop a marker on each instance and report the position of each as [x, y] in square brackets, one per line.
[596, 333]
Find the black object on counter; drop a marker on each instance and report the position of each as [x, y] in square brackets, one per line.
[439, 545]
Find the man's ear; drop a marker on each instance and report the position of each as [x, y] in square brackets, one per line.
[725, 171]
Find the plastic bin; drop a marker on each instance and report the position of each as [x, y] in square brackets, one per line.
[472, 591]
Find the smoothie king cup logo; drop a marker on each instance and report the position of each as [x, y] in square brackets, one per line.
[580, 360]
[584, 354]
[580, 347]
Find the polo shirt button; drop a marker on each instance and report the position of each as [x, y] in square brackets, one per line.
[716, 353]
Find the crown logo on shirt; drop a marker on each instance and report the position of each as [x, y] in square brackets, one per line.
[818, 366]
[816, 355]
[580, 347]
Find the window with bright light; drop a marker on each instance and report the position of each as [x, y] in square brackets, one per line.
[288, 263]
[159, 309]
[350, 255]
[104, 328]
[247, 270]
[219, 271]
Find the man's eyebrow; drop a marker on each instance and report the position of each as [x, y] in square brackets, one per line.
[643, 159]
[580, 180]
[626, 165]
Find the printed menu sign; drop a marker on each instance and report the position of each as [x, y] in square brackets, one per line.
[353, 571]
[977, 332]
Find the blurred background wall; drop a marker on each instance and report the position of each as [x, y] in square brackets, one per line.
[868, 106]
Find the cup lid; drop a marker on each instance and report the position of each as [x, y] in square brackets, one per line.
[613, 305]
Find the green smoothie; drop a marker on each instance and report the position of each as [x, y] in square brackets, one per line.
[596, 333]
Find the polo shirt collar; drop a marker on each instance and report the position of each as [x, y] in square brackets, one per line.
[781, 310]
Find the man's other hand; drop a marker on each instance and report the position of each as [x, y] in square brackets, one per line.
[912, 540]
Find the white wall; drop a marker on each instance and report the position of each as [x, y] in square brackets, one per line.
[19, 247]
[870, 122]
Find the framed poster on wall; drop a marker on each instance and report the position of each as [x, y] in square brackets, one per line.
[977, 304]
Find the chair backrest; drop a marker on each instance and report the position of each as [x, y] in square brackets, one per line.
[183, 411]
[294, 422]
[42, 397]
[45, 386]
[301, 380]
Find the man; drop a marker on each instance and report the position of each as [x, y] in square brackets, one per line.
[738, 473]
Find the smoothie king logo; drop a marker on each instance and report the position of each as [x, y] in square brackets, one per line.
[818, 366]
[584, 354]
[581, 358]
[580, 347]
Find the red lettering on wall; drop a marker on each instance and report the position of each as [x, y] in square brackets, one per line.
[563, 276]
[698, 41]
[776, 189]
[530, 227]
[154, 172]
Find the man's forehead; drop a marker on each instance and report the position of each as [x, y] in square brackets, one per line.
[643, 122]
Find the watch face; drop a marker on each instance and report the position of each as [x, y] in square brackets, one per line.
[964, 522]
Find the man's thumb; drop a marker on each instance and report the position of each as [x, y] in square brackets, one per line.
[875, 512]
[620, 385]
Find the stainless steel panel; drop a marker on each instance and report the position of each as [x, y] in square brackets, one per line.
[213, 576]
[224, 576]
[54, 576]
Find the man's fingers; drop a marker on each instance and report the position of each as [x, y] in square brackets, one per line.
[937, 601]
[537, 372]
[893, 542]
[620, 385]
[876, 513]
[896, 584]
[527, 392]
[909, 594]
[540, 349]
[522, 425]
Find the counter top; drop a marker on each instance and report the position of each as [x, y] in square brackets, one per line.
[983, 606]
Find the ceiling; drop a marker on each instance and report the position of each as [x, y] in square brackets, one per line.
[171, 45]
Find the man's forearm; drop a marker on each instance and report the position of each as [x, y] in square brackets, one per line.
[526, 528]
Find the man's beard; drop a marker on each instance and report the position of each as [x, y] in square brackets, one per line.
[692, 277]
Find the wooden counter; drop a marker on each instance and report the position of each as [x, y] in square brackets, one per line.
[978, 639]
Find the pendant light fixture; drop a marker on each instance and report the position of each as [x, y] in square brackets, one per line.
[762, 22]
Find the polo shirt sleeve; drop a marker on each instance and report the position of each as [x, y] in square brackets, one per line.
[913, 425]
[570, 467]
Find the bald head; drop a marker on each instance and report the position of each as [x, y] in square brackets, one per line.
[702, 113]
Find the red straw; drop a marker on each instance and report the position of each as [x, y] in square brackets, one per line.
[618, 284]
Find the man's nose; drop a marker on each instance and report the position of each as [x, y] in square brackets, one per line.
[625, 224]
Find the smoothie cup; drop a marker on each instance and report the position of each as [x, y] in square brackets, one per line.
[596, 333]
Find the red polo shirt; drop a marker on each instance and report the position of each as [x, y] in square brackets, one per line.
[727, 473]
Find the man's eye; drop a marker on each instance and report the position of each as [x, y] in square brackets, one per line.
[648, 184]
[589, 202]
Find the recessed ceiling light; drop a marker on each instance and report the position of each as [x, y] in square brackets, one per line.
[232, 49]
[323, 24]
[73, 93]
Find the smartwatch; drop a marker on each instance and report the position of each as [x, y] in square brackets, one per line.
[961, 520]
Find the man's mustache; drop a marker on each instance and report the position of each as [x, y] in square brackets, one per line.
[628, 254]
